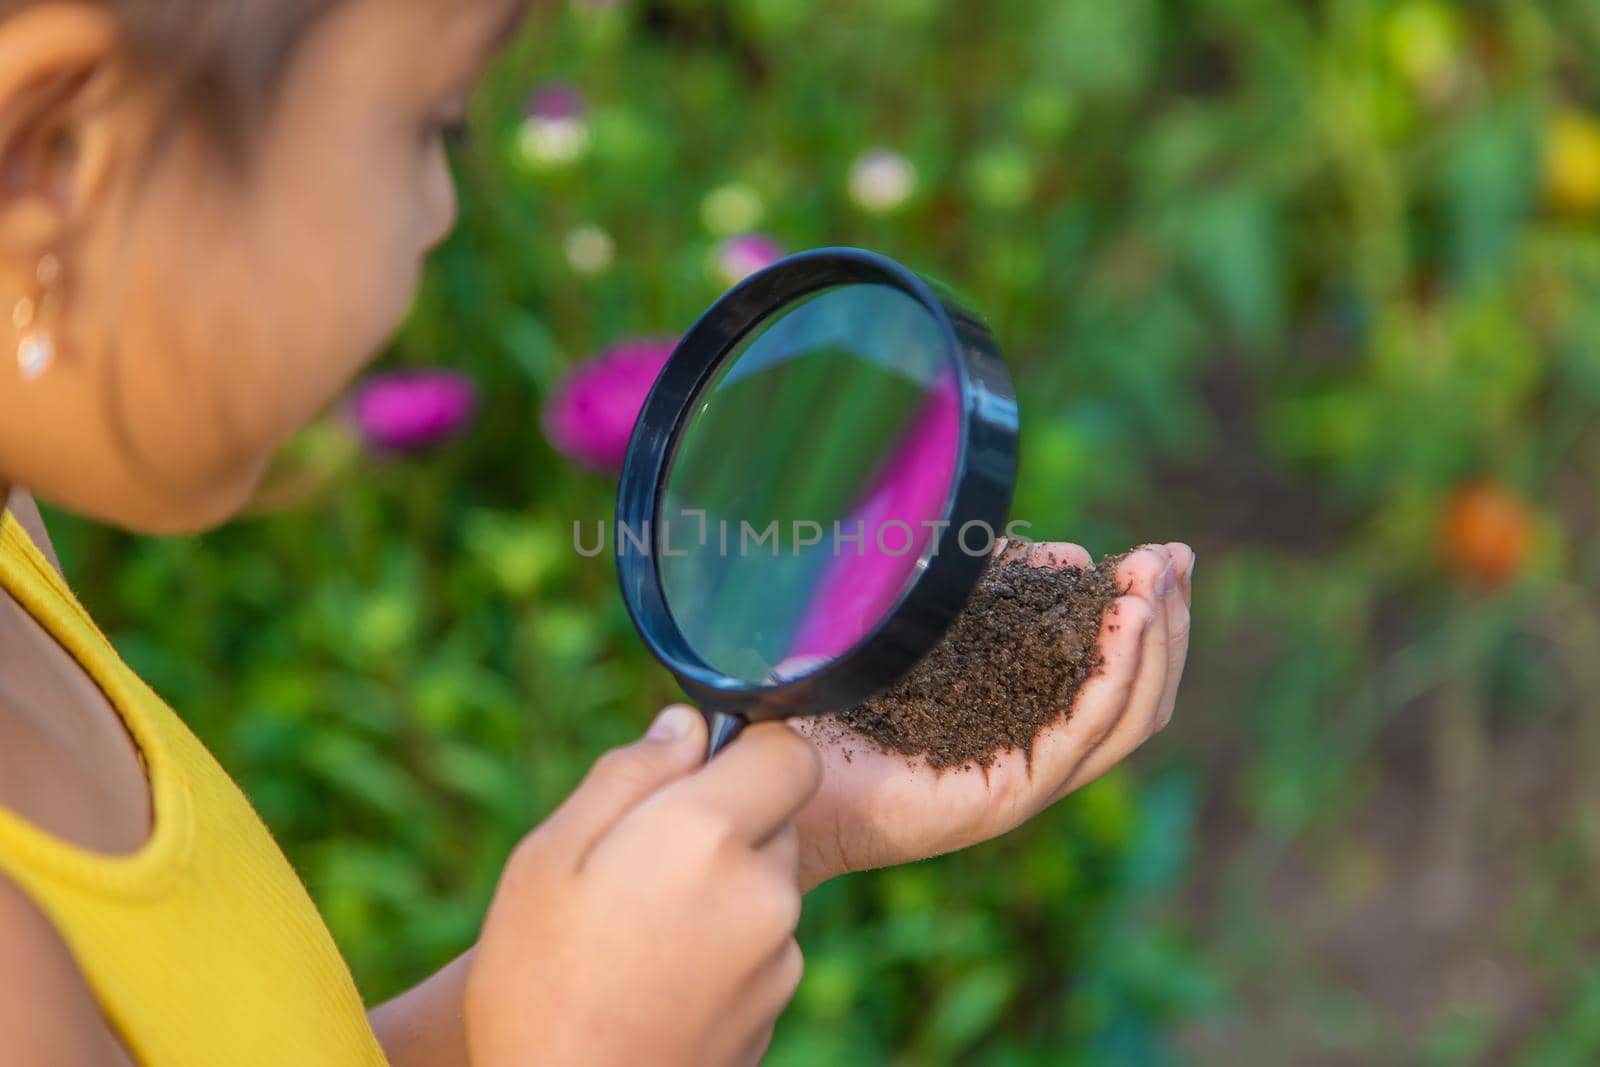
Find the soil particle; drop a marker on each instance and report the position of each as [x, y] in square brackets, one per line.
[1010, 667]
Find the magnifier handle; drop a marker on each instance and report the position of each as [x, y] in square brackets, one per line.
[722, 729]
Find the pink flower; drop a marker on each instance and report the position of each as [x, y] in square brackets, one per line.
[555, 126]
[557, 102]
[413, 410]
[740, 257]
[591, 415]
[910, 489]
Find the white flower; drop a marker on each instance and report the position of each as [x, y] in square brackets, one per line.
[882, 181]
[553, 141]
[590, 251]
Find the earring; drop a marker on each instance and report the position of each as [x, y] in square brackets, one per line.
[31, 316]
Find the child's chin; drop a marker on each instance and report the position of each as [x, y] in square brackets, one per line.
[196, 511]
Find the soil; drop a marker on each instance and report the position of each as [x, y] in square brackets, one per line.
[1010, 667]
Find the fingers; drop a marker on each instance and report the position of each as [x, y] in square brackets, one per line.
[1183, 560]
[622, 779]
[1055, 555]
[1043, 553]
[1150, 575]
[1006, 550]
[1153, 577]
[769, 993]
[782, 852]
[1102, 701]
[755, 1052]
[1177, 607]
[760, 783]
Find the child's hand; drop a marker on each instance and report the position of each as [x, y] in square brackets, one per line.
[651, 919]
[875, 810]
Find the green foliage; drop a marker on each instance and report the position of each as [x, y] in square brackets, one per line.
[1274, 277]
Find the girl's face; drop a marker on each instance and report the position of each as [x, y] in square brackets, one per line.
[209, 310]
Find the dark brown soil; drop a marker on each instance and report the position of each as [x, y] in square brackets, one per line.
[1010, 667]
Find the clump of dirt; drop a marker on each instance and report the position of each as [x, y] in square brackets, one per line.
[1010, 667]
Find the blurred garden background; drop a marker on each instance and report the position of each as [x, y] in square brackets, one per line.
[1312, 284]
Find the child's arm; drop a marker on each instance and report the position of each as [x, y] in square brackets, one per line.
[425, 1027]
[48, 1015]
[650, 920]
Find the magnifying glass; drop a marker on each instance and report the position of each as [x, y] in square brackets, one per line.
[814, 487]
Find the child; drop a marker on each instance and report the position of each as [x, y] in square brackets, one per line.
[212, 213]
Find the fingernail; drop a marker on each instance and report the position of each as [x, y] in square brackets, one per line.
[1193, 559]
[671, 724]
[1167, 583]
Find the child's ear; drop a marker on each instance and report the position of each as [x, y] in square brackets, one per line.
[57, 60]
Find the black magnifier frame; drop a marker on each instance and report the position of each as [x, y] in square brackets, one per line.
[985, 477]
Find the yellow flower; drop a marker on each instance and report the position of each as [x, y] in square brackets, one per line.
[1572, 163]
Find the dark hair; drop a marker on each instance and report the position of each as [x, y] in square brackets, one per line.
[222, 60]
[219, 60]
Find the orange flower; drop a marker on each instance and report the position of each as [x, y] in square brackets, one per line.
[1486, 533]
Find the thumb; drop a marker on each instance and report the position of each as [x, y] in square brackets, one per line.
[624, 778]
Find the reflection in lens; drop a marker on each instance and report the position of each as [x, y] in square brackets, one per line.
[807, 488]
[859, 588]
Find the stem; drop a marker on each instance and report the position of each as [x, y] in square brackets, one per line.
[1459, 757]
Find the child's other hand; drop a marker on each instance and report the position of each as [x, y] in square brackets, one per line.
[651, 919]
[877, 810]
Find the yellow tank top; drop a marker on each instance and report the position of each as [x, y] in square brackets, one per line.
[203, 948]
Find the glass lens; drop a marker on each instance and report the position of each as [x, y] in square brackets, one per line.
[809, 486]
